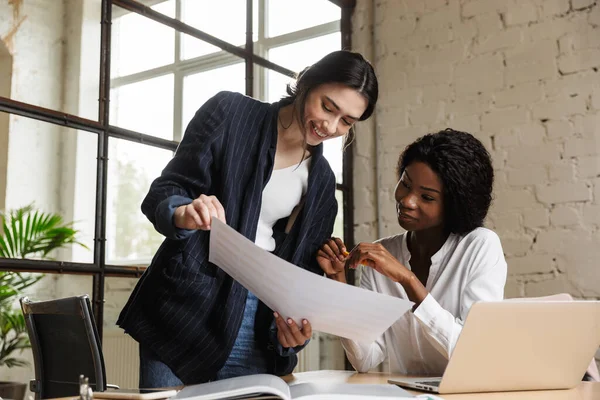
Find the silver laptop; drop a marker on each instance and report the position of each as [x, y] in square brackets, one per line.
[519, 345]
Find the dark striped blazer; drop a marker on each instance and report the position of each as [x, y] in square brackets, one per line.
[187, 310]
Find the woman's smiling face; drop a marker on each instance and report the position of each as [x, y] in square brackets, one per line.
[330, 111]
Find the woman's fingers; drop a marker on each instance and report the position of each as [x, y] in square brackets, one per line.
[331, 256]
[283, 332]
[329, 251]
[363, 253]
[325, 263]
[289, 333]
[338, 248]
[306, 330]
[341, 247]
[199, 213]
[352, 259]
[207, 208]
[203, 212]
[219, 208]
[191, 217]
[298, 333]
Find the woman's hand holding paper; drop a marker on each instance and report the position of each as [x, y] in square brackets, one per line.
[331, 258]
[289, 333]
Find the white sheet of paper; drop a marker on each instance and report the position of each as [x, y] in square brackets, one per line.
[330, 306]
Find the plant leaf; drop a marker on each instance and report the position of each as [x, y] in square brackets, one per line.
[31, 232]
[3, 248]
[27, 232]
[8, 238]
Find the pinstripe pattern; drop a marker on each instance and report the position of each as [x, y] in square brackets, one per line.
[187, 310]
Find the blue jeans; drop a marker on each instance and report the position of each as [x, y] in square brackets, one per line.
[154, 373]
[246, 357]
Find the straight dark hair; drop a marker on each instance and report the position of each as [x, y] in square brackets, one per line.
[345, 67]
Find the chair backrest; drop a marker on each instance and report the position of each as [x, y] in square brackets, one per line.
[65, 345]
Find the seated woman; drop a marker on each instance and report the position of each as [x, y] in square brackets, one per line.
[444, 262]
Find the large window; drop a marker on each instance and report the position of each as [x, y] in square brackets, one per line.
[160, 80]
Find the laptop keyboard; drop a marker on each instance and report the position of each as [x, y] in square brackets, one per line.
[430, 383]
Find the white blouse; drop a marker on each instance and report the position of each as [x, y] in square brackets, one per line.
[282, 193]
[466, 269]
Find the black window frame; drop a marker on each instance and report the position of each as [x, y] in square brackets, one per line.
[98, 269]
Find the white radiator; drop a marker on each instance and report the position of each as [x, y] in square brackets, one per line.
[309, 359]
[121, 358]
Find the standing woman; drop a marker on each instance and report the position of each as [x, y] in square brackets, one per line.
[444, 262]
[259, 167]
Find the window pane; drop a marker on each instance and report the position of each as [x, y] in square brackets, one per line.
[333, 151]
[131, 238]
[286, 16]
[276, 85]
[338, 227]
[223, 19]
[202, 86]
[50, 55]
[54, 169]
[139, 43]
[299, 55]
[145, 106]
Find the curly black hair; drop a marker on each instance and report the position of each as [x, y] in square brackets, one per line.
[465, 169]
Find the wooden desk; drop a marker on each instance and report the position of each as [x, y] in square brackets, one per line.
[584, 391]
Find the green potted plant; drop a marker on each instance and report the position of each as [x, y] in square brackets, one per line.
[26, 233]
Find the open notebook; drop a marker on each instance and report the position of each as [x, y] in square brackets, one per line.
[264, 386]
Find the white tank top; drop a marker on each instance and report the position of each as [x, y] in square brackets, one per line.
[282, 193]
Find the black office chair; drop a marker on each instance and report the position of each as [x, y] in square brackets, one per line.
[65, 345]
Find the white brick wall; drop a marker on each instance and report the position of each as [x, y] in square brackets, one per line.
[523, 76]
[34, 43]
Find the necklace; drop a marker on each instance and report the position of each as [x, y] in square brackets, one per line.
[292, 119]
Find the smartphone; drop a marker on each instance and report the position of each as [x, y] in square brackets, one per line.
[136, 394]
